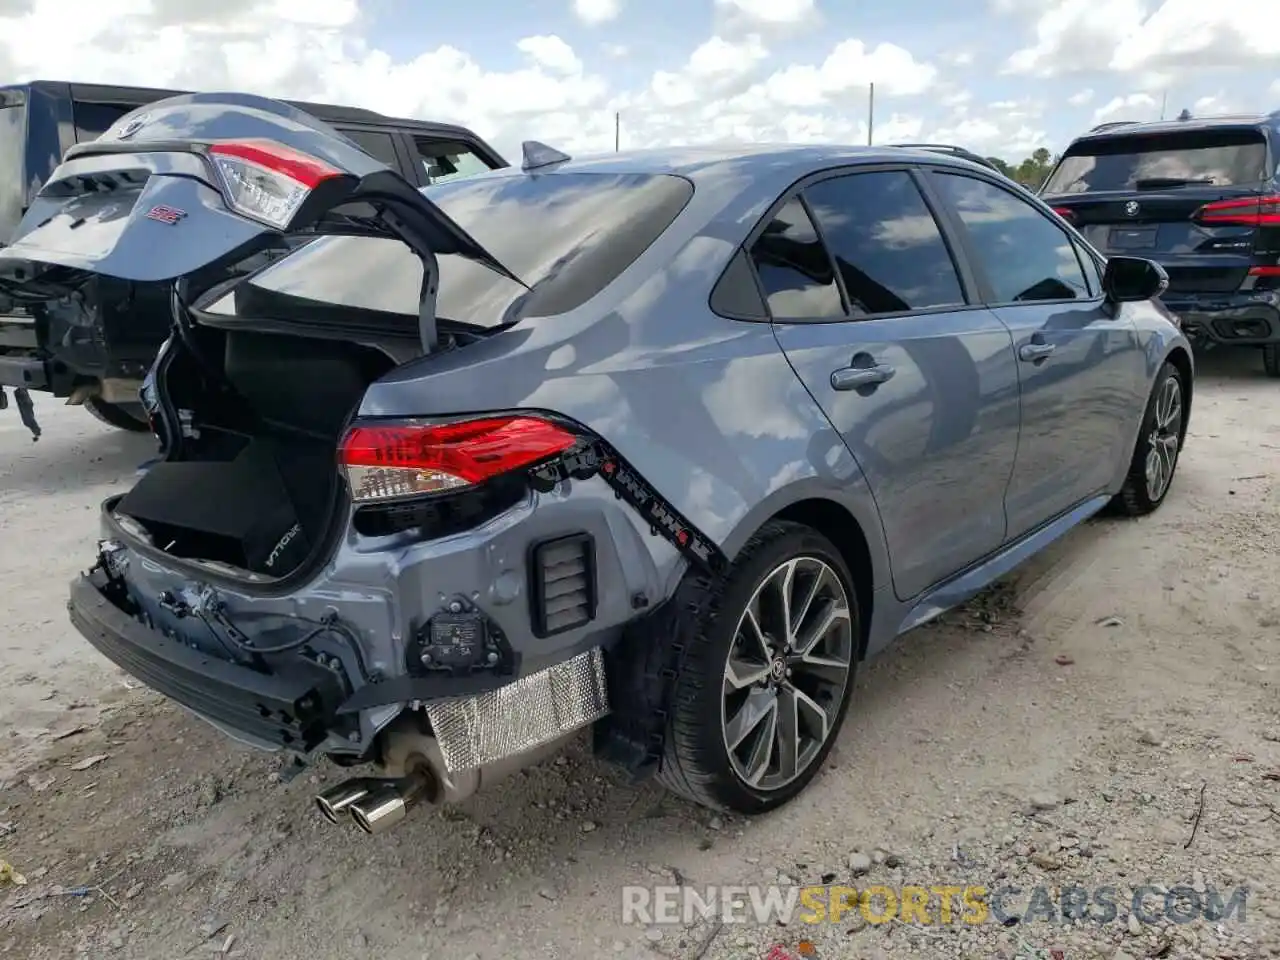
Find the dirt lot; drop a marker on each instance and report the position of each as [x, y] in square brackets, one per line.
[1108, 718]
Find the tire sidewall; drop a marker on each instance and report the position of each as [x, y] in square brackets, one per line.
[1167, 371]
[741, 584]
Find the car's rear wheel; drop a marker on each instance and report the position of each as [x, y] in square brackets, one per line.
[1155, 456]
[122, 416]
[1271, 359]
[765, 673]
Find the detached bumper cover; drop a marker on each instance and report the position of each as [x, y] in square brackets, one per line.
[293, 711]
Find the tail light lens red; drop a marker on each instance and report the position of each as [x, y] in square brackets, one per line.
[1243, 212]
[267, 181]
[1066, 213]
[394, 461]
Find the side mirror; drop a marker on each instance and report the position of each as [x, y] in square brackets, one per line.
[1129, 279]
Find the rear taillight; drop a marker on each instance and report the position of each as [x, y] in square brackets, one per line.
[267, 181]
[390, 462]
[1264, 271]
[1066, 213]
[1245, 212]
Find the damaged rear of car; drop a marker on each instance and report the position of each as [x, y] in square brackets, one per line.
[320, 568]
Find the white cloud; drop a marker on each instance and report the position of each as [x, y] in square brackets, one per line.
[551, 52]
[732, 86]
[1080, 98]
[1134, 106]
[597, 11]
[1130, 36]
[771, 11]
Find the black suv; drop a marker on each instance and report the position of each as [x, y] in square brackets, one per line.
[1201, 197]
[99, 357]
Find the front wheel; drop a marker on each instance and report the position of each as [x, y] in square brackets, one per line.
[765, 674]
[123, 416]
[1155, 457]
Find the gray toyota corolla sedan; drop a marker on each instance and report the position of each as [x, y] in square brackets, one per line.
[661, 444]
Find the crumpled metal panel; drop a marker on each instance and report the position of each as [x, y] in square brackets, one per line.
[530, 712]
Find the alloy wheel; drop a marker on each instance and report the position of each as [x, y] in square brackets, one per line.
[786, 673]
[1162, 446]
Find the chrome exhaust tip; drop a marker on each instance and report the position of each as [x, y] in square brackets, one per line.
[335, 801]
[391, 802]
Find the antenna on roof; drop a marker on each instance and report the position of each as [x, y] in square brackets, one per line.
[539, 155]
[1185, 114]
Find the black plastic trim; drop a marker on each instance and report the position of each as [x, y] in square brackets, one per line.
[538, 582]
[293, 710]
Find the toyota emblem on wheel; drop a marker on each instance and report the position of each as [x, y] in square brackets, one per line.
[1131, 208]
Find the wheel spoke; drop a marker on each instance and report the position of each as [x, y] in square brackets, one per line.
[757, 763]
[743, 673]
[759, 706]
[755, 642]
[833, 614]
[794, 627]
[789, 732]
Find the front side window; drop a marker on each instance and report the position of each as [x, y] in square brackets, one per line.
[444, 160]
[794, 268]
[1025, 255]
[886, 244]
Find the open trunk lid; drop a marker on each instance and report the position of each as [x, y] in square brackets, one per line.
[1193, 200]
[190, 186]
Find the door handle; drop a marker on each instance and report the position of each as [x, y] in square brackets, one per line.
[1032, 352]
[855, 377]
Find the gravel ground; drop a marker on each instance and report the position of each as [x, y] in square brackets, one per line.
[1107, 718]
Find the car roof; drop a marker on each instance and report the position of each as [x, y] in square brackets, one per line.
[328, 112]
[699, 163]
[1127, 128]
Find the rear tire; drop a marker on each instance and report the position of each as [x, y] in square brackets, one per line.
[1155, 456]
[123, 416]
[784, 693]
[1271, 359]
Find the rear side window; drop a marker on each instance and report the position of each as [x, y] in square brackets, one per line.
[1211, 157]
[376, 144]
[1026, 256]
[887, 246]
[567, 236]
[94, 119]
[794, 268]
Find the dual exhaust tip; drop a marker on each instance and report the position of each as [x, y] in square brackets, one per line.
[377, 804]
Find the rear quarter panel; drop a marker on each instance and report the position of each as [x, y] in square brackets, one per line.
[707, 409]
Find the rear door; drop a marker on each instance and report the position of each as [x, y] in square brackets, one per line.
[1080, 366]
[1173, 197]
[918, 378]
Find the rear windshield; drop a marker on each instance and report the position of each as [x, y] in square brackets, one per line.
[567, 236]
[1218, 157]
[12, 147]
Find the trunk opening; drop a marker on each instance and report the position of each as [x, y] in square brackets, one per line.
[251, 423]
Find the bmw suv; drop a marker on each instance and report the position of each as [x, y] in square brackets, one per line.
[1201, 197]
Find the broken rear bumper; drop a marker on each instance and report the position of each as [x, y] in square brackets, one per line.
[292, 711]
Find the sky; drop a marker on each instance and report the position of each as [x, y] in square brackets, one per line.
[1001, 77]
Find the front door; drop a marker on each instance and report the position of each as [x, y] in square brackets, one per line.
[921, 384]
[1080, 366]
